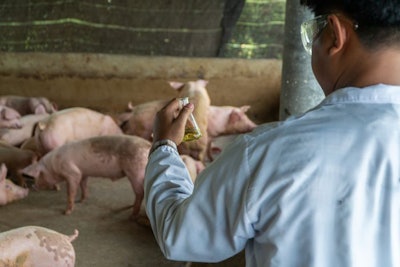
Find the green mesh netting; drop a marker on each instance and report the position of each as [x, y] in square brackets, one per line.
[191, 28]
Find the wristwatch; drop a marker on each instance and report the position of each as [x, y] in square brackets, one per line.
[163, 142]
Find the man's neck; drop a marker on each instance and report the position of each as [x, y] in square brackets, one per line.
[374, 68]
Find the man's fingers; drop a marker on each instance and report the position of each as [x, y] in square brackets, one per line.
[184, 114]
[172, 105]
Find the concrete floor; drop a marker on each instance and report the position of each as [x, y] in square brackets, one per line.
[107, 237]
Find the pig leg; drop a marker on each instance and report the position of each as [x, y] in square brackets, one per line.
[72, 187]
[138, 187]
[84, 189]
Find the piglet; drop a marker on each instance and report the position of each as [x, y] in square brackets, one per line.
[122, 117]
[9, 118]
[36, 246]
[227, 120]
[72, 124]
[9, 192]
[28, 105]
[141, 118]
[198, 95]
[112, 157]
[17, 136]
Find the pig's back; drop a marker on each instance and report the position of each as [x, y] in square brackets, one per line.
[74, 124]
[106, 156]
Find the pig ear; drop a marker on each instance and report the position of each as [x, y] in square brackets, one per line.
[41, 125]
[55, 107]
[9, 114]
[176, 85]
[130, 106]
[202, 83]
[234, 116]
[40, 110]
[245, 108]
[32, 170]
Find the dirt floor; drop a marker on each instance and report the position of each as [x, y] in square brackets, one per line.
[107, 235]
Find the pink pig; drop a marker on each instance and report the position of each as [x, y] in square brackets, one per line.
[9, 192]
[36, 246]
[227, 120]
[224, 120]
[198, 95]
[72, 124]
[141, 119]
[16, 137]
[28, 105]
[9, 117]
[114, 157]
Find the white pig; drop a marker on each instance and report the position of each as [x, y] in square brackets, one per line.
[36, 246]
[112, 157]
[9, 192]
[72, 124]
[18, 136]
[28, 105]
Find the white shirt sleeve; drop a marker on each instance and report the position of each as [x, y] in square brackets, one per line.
[203, 222]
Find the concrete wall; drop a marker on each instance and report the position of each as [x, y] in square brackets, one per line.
[108, 82]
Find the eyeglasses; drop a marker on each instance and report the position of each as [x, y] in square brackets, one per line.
[311, 29]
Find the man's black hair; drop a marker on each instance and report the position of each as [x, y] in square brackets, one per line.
[378, 20]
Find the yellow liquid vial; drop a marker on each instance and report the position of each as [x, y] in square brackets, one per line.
[192, 130]
[191, 135]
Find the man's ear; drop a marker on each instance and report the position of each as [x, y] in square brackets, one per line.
[340, 33]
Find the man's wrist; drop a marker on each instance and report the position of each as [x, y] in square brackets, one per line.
[163, 142]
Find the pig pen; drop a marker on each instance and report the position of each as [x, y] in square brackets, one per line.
[107, 83]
